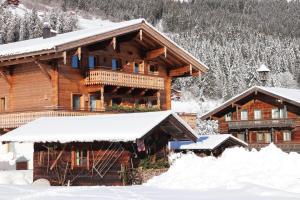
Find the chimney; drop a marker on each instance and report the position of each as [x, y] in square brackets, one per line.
[46, 30]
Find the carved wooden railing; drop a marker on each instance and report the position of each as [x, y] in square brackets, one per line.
[268, 123]
[107, 77]
[288, 147]
[16, 119]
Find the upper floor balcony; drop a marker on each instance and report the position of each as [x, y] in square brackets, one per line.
[118, 78]
[267, 123]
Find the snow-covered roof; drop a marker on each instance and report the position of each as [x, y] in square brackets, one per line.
[205, 142]
[53, 43]
[106, 127]
[290, 95]
[40, 44]
[263, 68]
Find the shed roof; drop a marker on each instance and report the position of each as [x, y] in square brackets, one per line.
[205, 142]
[106, 127]
[289, 95]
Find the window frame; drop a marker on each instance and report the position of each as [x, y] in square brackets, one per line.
[244, 111]
[228, 117]
[4, 108]
[254, 115]
[258, 138]
[74, 157]
[284, 138]
[80, 99]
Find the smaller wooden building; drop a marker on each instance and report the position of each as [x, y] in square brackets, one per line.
[99, 149]
[207, 144]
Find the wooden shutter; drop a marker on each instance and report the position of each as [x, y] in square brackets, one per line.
[91, 62]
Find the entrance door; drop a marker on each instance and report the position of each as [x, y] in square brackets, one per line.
[93, 103]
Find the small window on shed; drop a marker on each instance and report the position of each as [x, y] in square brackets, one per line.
[81, 158]
[75, 62]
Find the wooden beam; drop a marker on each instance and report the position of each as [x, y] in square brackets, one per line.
[141, 34]
[114, 43]
[6, 77]
[43, 69]
[156, 53]
[181, 71]
[29, 59]
[64, 54]
[58, 157]
[115, 89]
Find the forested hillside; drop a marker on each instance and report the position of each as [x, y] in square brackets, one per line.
[232, 37]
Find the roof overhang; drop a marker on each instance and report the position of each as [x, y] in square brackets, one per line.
[253, 90]
[58, 50]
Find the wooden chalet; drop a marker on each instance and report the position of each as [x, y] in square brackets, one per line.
[262, 115]
[207, 145]
[99, 149]
[122, 67]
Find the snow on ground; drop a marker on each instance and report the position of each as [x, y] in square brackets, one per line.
[235, 169]
[16, 177]
[237, 174]
[192, 106]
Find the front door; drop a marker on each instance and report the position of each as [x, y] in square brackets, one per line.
[93, 103]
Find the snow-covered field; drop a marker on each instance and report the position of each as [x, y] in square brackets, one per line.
[238, 174]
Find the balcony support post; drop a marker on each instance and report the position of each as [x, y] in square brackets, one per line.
[272, 134]
[158, 99]
[246, 136]
[102, 96]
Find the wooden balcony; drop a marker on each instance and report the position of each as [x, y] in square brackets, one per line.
[269, 123]
[16, 119]
[117, 78]
[287, 147]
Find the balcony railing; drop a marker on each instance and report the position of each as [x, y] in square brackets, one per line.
[269, 123]
[107, 77]
[287, 147]
[16, 119]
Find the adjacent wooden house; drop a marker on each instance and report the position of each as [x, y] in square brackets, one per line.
[262, 115]
[99, 149]
[122, 67]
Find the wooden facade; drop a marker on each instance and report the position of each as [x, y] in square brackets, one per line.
[259, 118]
[127, 69]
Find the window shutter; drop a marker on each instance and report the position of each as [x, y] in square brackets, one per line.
[114, 64]
[91, 62]
[75, 61]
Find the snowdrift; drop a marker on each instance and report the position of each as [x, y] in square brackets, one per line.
[235, 169]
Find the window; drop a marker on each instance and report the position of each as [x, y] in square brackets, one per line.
[76, 101]
[257, 114]
[279, 113]
[153, 69]
[136, 68]
[260, 137]
[75, 61]
[244, 115]
[241, 136]
[283, 112]
[115, 64]
[268, 138]
[287, 136]
[2, 104]
[81, 158]
[91, 62]
[228, 117]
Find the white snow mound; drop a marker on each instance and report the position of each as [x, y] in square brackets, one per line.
[235, 169]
